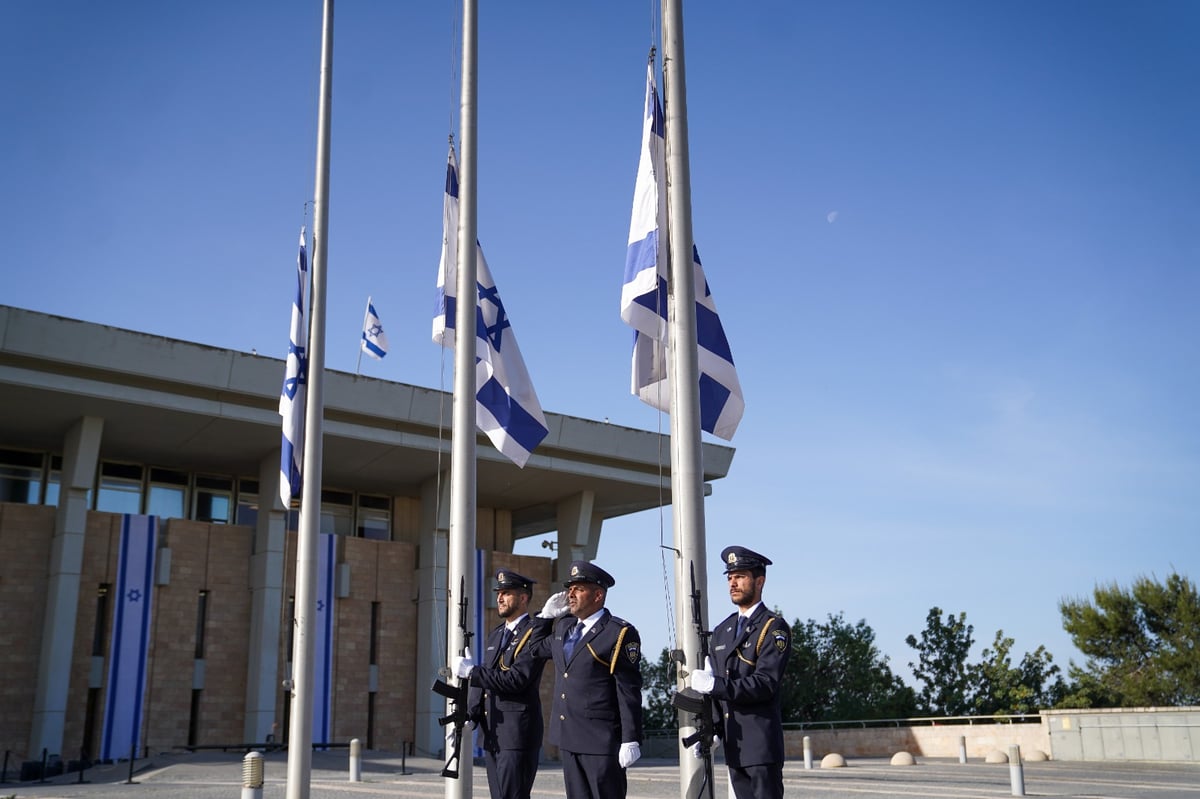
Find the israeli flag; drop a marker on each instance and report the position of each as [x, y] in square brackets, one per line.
[644, 296]
[374, 340]
[295, 388]
[322, 729]
[506, 407]
[125, 691]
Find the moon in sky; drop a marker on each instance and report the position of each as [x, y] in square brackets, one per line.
[831, 217]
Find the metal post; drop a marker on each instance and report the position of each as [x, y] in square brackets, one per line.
[1016, 773]
[132, 758]
[42, 776]
[807, 753]
[355, 760]
[252, 775]
[962, 749]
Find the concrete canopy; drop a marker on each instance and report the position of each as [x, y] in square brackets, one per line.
[192, 407]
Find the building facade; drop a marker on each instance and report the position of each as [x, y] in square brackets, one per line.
[99, 425]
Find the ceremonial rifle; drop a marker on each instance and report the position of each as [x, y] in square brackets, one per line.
[702, 706]
[457, 694]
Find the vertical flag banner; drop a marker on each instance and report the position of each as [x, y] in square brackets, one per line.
[322, 730]
[374, 340]
[295, 388]
[506, 406]
[644, 296]
[125, 690]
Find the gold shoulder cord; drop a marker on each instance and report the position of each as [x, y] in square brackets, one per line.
[758, 645]
[524, 638]
[612, 664]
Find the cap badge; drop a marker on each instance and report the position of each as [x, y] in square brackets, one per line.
[502, 578]
[574, 571]
[731, 558]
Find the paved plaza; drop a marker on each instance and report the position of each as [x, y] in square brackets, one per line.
[209, 775]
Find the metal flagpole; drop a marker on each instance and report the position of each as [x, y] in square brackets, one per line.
[687, 474]
[366, 314]
[299, 770]
[461, 544]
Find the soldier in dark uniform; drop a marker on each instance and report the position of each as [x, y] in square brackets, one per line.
[750, 650]
[596, 718]
[504, 698]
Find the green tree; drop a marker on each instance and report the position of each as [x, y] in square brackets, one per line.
[1142, 645]
[999, 687]
[836, 672]
[658, 686]
[941, 665]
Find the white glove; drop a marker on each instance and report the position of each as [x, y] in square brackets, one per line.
[695, 749]
[629, 754]
[462, 665]
[702, 679]
[555, 606]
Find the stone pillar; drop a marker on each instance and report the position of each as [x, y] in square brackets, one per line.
[432, 569]
[81, 453]
[267, 569]
[578, 531]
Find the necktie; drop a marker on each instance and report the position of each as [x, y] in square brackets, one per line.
[741, 626]
[572, 639]
[505, 638]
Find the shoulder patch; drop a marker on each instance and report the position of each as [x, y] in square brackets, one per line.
[781, 640]
[633, 652]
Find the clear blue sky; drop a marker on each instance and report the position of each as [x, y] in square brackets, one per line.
[956, 248]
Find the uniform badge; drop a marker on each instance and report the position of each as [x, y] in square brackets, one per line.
[731, 558]
[631, 652]
[574, 571]
[781, 640]
[501, 578]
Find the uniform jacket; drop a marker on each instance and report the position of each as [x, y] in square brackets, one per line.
[505, 699]
[748, 671]
[598, 693]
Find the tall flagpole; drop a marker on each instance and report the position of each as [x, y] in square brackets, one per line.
[460, 573]
[687, 473]
[299, 770]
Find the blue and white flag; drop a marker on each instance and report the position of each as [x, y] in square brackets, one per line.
[374, 340]
[506, 407]
[295, 388]
[125, 691]
[644, 296]
[322, 729]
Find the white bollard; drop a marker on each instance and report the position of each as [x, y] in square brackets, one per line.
[252, 775]
[962, 749]
[1016, 773]
[808, 753]
[355, 760]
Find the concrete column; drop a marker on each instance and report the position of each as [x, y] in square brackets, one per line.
[81, 453]
[432, 565]
[578, 531]
[267, 569]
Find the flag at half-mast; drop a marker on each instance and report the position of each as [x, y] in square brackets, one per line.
[506, 406]
[295, 388]
[644, 296]
[374, 340]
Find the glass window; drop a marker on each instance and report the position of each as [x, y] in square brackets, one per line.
[214, 500]
[168, 494]
[54, 480]
[337, 512]
[20, 476]
[120, 489]
[374, 518]
[247, 503]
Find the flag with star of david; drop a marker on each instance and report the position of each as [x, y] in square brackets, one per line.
[506, 407]
[644, 296]
[374, 340]
[323, 641]
[125, 690]
[295, 388]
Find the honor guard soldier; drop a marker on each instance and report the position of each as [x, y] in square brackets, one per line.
[750, 650]
[504, 698]
[596, 717]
